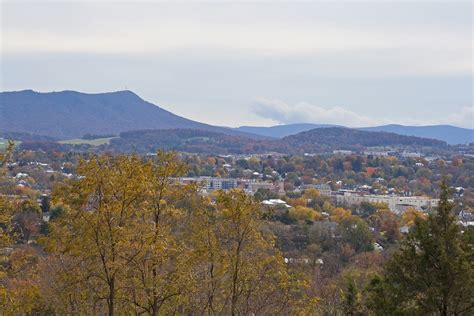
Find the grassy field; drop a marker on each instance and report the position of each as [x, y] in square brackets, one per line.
[92, 142]
[3, 143]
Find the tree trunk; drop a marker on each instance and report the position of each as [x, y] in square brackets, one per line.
[111, 297]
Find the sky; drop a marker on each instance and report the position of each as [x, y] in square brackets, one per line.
[234, 63]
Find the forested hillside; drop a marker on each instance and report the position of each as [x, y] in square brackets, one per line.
[317, 140]
[352, 138]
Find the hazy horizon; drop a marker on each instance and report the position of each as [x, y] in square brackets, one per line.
[257, 64]
[268, 125]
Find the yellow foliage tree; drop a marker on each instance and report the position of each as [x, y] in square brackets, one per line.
[19, 291]
[302, 213]
[239, 270]
[116, 237]
[409, 216]
[338, 214]
[311, 194]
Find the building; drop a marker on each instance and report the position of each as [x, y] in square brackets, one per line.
[342, 152]
[376, 153]
[406, 154]
[212, 183]
[253, 186]
[397, 204]
[324, 189]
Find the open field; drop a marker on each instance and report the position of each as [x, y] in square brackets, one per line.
[3, 143]
[92, 142]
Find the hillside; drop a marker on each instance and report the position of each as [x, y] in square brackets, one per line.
[189, 140]
[340, 137]
[280, 131]
[316, 140]
[450, 134]
[70, 114]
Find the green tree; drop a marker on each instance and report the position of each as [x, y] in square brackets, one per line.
[351, 304]
[356, 232]
[433, 271]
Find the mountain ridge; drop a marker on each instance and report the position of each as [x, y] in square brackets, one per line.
[317, 140]
[71, 114]
[448, 133]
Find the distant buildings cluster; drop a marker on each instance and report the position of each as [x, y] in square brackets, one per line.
[249, 185]
[395, 203]
[376, 152]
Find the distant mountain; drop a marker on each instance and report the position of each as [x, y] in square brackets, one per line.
[280, 131]
[315, 140]
[70, 114]
[450, 134]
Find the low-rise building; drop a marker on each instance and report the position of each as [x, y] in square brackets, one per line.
[323, 188]
[342, 152]
[397, 204]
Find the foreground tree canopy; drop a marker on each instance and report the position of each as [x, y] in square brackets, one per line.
[132, 240]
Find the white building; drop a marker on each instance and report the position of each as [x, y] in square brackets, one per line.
[212, 183]
[406, 154]
[397, 204]
[376, 153]
[342, 152]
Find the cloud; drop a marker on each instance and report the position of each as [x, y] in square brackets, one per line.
[464, 118]
[303, 112]
[391, 46]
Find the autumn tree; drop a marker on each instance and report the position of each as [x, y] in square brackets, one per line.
[92, 240]
[19, 290]
[160, 273]
[239, 270]
[386, 224]
[6, 209]
[338, 214]
[410, 215]
[116, 245]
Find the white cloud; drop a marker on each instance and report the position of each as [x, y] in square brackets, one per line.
[464, 118]
[303, 112]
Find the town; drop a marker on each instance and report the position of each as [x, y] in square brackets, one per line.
[399, 181]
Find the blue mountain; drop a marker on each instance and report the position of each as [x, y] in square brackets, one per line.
[450, 134]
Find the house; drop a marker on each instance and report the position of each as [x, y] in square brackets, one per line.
[276, 202]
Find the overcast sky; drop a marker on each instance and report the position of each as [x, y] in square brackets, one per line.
[235, 63]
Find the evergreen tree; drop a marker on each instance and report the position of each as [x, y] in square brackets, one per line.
[433, 271]
[351, 304]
